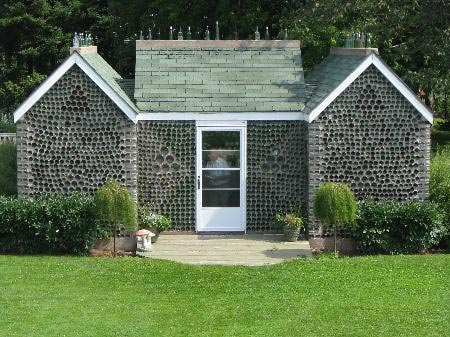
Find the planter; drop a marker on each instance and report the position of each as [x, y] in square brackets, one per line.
[344, 245]
[291, 234]
[125, 244]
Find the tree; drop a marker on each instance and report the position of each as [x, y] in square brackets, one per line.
[334, 204]
[115, 207]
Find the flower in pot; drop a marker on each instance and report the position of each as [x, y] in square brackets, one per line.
[156, 223]
[291, 223]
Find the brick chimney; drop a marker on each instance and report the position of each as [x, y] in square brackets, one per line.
[84, 50]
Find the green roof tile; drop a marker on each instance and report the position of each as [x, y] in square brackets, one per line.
[111, 77]
[327, 76]
[238, 78]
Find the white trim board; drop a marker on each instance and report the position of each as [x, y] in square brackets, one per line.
[75, 58]
[222, 116]
[388, 73]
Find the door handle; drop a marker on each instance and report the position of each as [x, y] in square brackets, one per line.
[198, 182]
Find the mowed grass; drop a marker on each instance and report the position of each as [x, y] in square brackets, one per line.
[361, 296]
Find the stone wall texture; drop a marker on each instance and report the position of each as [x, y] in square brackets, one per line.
[372, 138]
[277, 173]
[75, 139]
[166, 170]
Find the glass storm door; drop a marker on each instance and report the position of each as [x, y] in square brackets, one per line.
[220, 179]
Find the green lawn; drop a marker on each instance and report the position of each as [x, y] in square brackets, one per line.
[361, 296]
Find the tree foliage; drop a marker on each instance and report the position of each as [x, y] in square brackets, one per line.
[413, 36]
[334, 204]
[115, 206]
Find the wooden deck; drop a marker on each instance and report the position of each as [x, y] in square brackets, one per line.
[245, 249]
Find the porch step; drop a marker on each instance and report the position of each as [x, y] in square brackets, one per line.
[246, 249]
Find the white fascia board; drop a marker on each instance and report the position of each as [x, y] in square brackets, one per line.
[58, 73]
[44, 87]
[222, 116]
[339, 89]
[121, 104]
[403, 88]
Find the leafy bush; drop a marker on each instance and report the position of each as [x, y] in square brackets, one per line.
[8, 169]
[150, 220]
[398, 227]
[47, 224]
[441, 124]
[6, 125]
[440, 181]
[440, 185]
[115, 207]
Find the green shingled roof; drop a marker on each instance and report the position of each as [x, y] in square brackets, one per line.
[219, 76]
[326, 77]
[110, 76]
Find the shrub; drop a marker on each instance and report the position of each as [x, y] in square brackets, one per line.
[150, 220]
[398, 227]
[6, 124]
[115, 207]
[334, 204]
[47, 224]
[440, 181]
[8, 169]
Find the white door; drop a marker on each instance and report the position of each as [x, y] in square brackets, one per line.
[221, 178]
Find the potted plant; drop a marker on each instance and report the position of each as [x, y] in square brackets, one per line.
[291, 223]
[154, 222]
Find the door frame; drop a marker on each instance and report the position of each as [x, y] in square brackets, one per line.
[219, 126]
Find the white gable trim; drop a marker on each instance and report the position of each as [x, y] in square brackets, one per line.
[403, 88]
[58, 73]
[388, 73]
[43, 88]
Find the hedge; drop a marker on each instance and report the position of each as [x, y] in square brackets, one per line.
[61, 224]
[398, 227]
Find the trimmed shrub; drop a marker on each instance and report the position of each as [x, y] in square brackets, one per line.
[398, 227]
[115, 208]
[8, 169]
[334, 204]
[51, 223]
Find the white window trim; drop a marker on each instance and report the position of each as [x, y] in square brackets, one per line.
[75, 58]
[388, 73]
